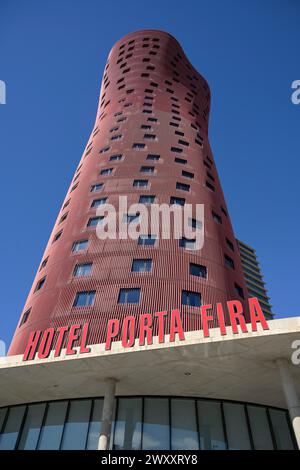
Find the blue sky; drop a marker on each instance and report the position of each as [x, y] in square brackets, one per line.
[52, 58]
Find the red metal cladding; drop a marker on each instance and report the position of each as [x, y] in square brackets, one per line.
[148, 88]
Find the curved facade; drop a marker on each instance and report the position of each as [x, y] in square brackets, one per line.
[147, 423]
[150, 143]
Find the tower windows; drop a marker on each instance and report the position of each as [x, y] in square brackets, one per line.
[138, 146]
[188, 244]
[182, 161]
[217, 218]
[94, 221]
[209, 185]
[141, 265]
[82, 270]
[146, 199]
[25, 317]
[40, 284]
[147, 240]
[187, 174]
[192, 299]
[140, 183]
[96, 187]
[147, 169]
[198, 270]
[228, 261]
[177, 200]
[239, 290]
[99, 202]
[80, 245]
[106, 171]
[153, 157]
[84, 298]
[129, 296]
[182, 186]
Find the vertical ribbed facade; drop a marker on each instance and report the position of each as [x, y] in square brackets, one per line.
[153, 112]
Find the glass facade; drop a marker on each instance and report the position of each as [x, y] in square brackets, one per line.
[150, 423]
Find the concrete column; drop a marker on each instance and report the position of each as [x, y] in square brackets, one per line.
[107, 413]
[290, 393]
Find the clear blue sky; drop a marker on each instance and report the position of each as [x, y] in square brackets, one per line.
[52, 55]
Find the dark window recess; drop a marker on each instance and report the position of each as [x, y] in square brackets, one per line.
[192, 299]
[182, 161]
[150, 136]
[183, 142]
[104, 149]
[209, 185]
[140, 183]
[94, 221]
[177, 200]
[187, 174]
[179, 133]
[79, 245]
[96, 187]
[174, 124]
[153, 157]
[217, 218]
[106, 171]
[84, 298]
[146, 199]
[40, 284]
[145, 126]
[198, 270]
[138, 146]
[115, 158]
[182, 186]
[147, 169]
[176, 149]
[44, 262]
[187, 243]
[66, 204]
[147, 240]
[63, 217]
[207, 164]
[25, 317]
[141, 265]
[82, 270]
[57, 236]
[210, 176]
[228, 261]
[129, 296]
[239, 290]
[152, 119]
[194, 223]
[224, 211]
[230, 244]
[99, 202]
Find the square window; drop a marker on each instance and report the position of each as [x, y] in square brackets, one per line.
[80, 245]
[129, 296]
[177, 200]
[147, 240]
[94, 221]
[141, 265]
[82, 270]
[96, 187]
[146, 199]
[99, 202]
[140, 183]
[84, 298]
[192, 299]
[198, 270]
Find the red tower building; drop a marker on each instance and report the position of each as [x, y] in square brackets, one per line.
[150, 143]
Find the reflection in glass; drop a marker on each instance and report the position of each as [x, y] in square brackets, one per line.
[281, 430]
[32, 427]
[54, 425]
[260, 428]
[95, 426]
[10, 433]
[236, 426]
[156, 431]
[2, 417]
[76, 428]
[184, 433]
[128, 425]
[210, 425]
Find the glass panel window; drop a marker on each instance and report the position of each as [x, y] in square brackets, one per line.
[127, 218]
[95, 426]
[281, 430]
[96, 187]
[177, 200]
[106, 171]
[129, 296]
[84, 299]
[153, 157]
[147, 169]
[198, 270]
[76, 428]
[188, 244]
[83, 269]
[236, 426]
[184, 426]
[146, 199]
[194, 223]
[99, 202]
[115, 158]
[80, 245]
[182, 186]
[147, 240]
[32, 427]
[188, 174]
[192, 299]
[210, 426]
[141, 265]
[260, 428]
[156, 429]
[128, 424]
[140, 183]
[94, 221]
[9, 436]
[53, 427]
